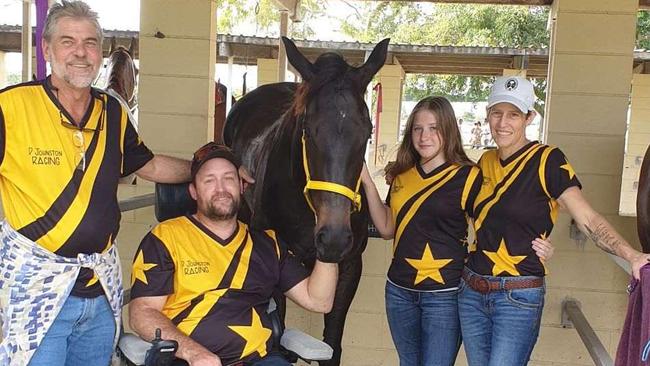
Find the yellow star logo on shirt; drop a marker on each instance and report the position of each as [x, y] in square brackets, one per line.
[569, 169]
[255, 335]
[503, 261]
[428, 267]
[139, 267]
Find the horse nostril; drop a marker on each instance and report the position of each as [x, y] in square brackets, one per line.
[333, 243]
[320, 238]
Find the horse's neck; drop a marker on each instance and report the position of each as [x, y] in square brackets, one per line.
[267, 156]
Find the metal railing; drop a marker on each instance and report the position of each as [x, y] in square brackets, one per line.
[625, 265]
[572, 317]
[136, 202]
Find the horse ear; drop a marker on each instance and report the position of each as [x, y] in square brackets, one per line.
[374, 63]
[298, 60]
[113, 45]
[132, 46]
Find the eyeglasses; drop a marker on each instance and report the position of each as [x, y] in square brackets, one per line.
[78, 140]
[78, 134]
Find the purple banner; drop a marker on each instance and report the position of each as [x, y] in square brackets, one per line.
[41, 14]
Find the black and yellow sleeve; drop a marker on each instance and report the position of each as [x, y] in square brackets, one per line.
[153, 269]
[559, 174]
[136, 153]
[292, 272]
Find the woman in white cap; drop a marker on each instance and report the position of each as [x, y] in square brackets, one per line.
[430, 198]
[524, 183]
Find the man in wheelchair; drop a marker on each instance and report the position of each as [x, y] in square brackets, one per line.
[205, 280]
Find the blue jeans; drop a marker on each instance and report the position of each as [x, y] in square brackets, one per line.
[500, 328]
[81, 335]
[424, 325]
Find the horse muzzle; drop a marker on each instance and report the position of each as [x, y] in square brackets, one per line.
[333, 243]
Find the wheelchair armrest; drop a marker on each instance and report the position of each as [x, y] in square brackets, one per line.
[306, 346]
[133, 348]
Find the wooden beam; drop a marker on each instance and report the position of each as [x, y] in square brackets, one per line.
[292, 6]
[644, 4]
[494, 2]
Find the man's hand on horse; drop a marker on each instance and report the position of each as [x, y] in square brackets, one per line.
[246, 177]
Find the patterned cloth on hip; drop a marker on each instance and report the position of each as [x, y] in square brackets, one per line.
[34, 285]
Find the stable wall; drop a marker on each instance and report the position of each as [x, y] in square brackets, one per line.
[177, 73]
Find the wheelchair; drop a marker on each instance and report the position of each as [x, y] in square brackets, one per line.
[173, 200]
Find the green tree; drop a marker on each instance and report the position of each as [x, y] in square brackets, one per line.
[449, 24]
[234, 16]
[643, 30]
[452, 24]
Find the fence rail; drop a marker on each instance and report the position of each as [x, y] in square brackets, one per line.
[572, 317]
[136, 202]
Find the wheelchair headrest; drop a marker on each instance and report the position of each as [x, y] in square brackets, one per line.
[173, 200]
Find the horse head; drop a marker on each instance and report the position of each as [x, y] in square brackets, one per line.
[333, 127]
[122, 72]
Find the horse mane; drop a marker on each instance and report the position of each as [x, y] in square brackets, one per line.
[257, 155]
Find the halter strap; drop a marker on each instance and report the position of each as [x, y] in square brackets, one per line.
[318, 185]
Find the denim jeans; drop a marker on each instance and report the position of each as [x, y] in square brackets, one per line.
[424, 325]
[500, 328]
[81, 335]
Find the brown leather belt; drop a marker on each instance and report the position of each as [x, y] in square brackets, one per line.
[484, 286]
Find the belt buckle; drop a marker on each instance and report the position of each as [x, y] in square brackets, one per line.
[482, 285]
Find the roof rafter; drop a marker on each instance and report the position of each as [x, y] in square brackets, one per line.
[642, 3]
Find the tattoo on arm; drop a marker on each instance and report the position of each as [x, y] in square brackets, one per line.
[603, 237]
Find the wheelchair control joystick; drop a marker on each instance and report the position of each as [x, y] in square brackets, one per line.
[162, 352]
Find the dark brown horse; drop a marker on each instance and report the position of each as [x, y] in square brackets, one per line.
[305, 145]
[122, 74]
[121, 82]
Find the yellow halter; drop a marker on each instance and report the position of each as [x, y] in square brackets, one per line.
[319, 185]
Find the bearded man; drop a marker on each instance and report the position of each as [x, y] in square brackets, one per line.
[206, 279]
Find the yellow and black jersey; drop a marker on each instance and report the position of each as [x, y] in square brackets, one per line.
[516, 204]
[50, 194]
[430, 212]
[218, 290]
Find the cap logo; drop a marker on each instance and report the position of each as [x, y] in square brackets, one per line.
[511, 84]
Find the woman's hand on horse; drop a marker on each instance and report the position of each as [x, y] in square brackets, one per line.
[245, 175]
[543, 248]
[365, 175]
[389, 178]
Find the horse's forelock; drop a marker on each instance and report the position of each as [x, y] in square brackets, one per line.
[300, 99]
[329, 68]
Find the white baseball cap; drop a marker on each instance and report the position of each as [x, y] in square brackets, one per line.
[515, 90]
